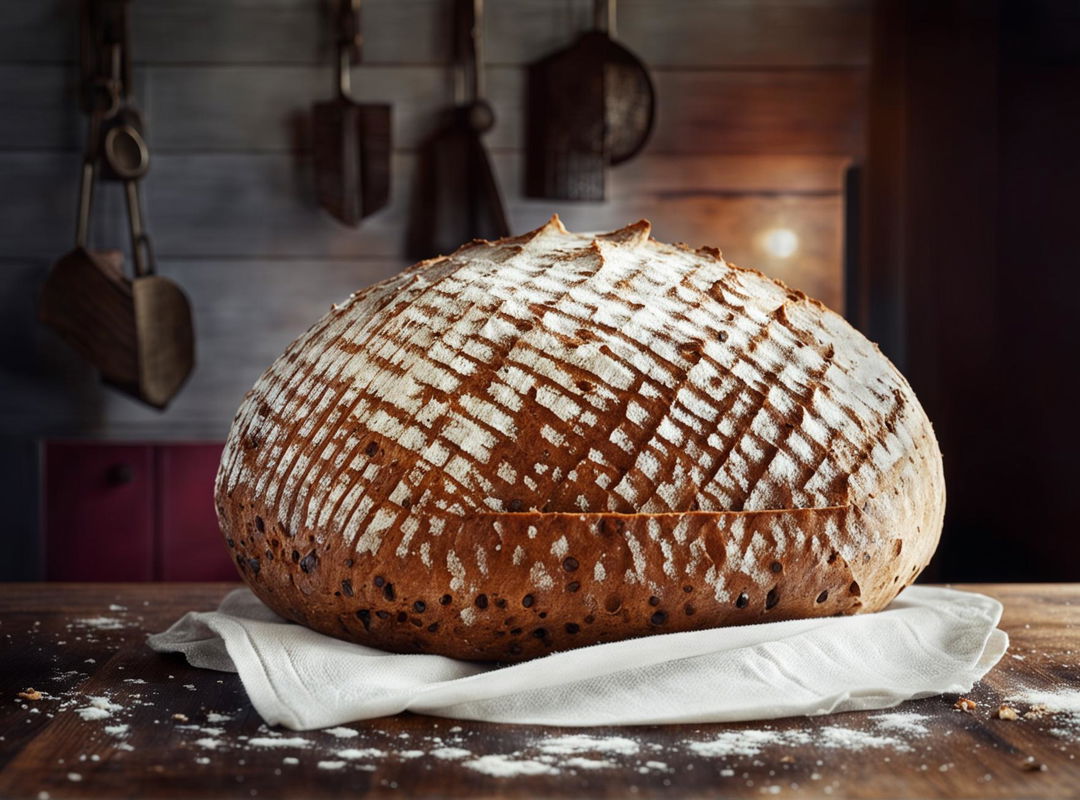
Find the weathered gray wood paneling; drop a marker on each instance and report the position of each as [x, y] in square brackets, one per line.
[800, 112]
[263, 204]
[39, 107]
[666, 33]
[696, 34]
[266, 108]
[38, 31]
[45, 385]
[38, 206]
[789, 112]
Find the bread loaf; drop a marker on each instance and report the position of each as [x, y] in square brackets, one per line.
[557, 439]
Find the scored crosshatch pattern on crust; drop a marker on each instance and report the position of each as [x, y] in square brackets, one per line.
[559, 373]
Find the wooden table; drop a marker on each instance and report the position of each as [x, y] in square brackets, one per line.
[191, 732]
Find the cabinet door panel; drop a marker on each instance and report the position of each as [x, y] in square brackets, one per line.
[98, 512]
[190, 545]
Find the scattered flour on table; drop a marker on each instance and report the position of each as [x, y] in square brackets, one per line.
[507, 766]
[331, 764]
[847, 739]
[213, 716]
[745, 743]
[99, 708]
[567, 745]
[906, 722]
[101, 623]
[752, 742]
[1063, 704]
[117, 730]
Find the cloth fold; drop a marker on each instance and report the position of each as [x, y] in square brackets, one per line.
[929, 641]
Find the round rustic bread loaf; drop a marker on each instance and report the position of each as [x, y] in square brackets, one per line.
[557, 439]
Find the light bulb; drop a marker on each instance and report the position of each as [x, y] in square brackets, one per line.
[780, 242]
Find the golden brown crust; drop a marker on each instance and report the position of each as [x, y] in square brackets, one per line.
[480, 429]
[525, 611]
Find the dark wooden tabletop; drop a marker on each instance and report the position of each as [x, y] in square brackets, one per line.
[110, 718]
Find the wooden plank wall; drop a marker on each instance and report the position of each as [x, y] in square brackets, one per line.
[761, 106]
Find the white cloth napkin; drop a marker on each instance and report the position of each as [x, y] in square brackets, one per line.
[928, 641]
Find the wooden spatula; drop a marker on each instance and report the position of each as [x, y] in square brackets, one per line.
[457, 196]
[351, 141]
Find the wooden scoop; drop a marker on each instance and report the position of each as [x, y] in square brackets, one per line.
[458, 197]
[589, 106]
[351, 141]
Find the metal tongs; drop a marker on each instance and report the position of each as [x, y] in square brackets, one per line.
[138, 331]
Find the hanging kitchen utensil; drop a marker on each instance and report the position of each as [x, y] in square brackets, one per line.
[351, 141]
[137, 332]
[589, 106]
[458, 196]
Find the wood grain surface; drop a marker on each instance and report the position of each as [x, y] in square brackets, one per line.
[78, 642]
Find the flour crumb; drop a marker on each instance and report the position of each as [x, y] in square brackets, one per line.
[499, 765]
[588, 763]
[352, 754]
[449, 753]
[331, 764]
[1007, 712]
[279, 741]
[578, 743]
[342, 733]
[101, 623]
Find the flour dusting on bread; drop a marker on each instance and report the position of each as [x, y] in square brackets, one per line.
[473, 425]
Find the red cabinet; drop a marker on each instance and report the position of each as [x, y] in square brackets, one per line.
[132, 512]
[190, 545]
[99, 512]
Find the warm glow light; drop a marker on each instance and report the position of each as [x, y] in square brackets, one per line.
[780, 242]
